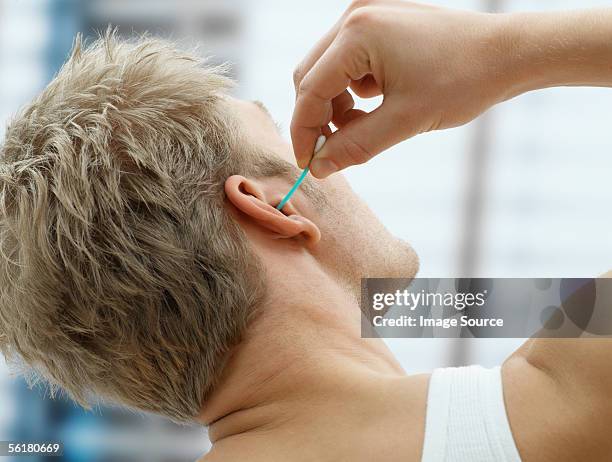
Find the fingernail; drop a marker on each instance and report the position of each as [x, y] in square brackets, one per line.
[322, 167]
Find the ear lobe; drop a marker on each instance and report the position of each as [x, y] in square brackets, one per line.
[249, 197]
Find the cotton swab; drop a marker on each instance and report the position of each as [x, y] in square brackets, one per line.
[318, 145]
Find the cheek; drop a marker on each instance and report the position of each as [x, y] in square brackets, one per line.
[346, 222]
[337, 192]
[345, 230]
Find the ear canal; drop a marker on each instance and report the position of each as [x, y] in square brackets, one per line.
[242, 188]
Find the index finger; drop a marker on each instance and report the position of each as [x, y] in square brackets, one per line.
[329, 77]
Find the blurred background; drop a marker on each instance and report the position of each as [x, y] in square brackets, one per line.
[523, 191]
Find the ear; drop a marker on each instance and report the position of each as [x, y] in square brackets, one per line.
[249, 198]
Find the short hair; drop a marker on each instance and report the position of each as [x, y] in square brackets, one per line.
[122, 274]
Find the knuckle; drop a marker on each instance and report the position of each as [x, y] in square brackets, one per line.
[298, 75]
[307, 88]
[356, 4]
[360, 18]
[302, 88]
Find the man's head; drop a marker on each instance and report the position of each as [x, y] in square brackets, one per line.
[137, 226]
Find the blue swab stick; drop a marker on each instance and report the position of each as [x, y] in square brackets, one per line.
[293, 189]
[318, 145]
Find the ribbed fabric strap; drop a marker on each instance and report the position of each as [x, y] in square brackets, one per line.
[466, 417]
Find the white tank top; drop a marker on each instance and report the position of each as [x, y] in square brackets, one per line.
[466, 417]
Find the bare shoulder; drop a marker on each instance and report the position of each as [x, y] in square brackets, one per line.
[558, 397]
[554, 415]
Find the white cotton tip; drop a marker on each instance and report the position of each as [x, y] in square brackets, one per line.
[319, 144]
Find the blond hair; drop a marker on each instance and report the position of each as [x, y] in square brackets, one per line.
[121, 272]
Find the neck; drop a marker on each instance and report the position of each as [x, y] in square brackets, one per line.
[304, 371]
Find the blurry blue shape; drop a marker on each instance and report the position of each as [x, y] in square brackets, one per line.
[65, 19]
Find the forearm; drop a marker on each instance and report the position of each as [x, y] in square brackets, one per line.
[571, 48]
[436, 68]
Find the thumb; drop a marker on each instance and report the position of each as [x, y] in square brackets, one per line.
[363, 137]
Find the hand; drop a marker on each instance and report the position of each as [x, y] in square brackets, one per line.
[436, 68]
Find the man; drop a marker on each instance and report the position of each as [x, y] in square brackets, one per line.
[140, 238]
[143, 261]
